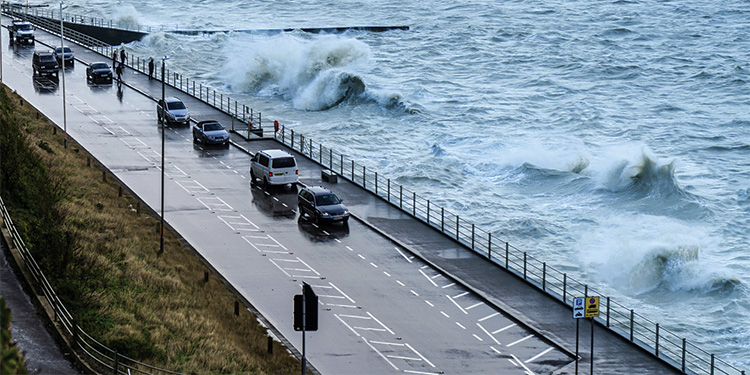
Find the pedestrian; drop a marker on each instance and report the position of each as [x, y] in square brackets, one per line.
[114, 58]
[150, 68]
[123, 56]
[119, 72]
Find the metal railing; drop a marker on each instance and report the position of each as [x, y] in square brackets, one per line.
[639, 330]
[52, 13]
[89, 349]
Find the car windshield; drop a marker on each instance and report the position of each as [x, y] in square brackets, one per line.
[327, 199]
[24, 27]
[212, 126]
[175, 105]
[99, 66]
[66, 49]
[283, 163]
[46, 58]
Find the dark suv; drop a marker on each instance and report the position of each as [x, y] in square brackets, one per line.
[45, 63]
[322, 205]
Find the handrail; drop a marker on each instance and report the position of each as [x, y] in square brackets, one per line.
[639, 330]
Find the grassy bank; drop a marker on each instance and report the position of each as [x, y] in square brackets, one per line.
[101, 257]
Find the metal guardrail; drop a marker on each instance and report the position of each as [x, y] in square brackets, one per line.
[85, 346]
[639, 330]
[662, 343]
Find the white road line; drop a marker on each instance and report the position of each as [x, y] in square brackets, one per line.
[277, 242]
[420, 355]
[460, 325]
[528, 371]
[373, 264]
[489, 316]
[459, 295]
[348, 326]
[381, 354]
[457, 305]
[504, 328]
[428, 278]
[489, 334]
[403, 255]
[404, 358]
[361, 256]
[387, 274]
[445, 315]
[475, 305]
[308, 266]
[496, 351]
[421, 372]
[342, 293]
[429, 303]
[282, 270]
[400, 283]
[477, 337]
[349, 248]
[449, 285]
[534, 358]
[414, 293]
[379, 322]
[520, 340]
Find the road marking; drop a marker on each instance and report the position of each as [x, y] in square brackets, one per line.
[403, 255]
[400, 283]
[475, 305]
[489, 316]
[381, 354]
[477, 337]
[460, 325]
[504, 328]
[342, 293]
[420, 355]
[496, 351]
[373, 264]
[352, 329]
[489, 334]
[460, 295]
[457, 305]
[539, 355]
[428, 278]
[520, 340]
[414, 293]
[449, 285]
[444, 314]
[379, 322]
[528, 371]
[430, 303]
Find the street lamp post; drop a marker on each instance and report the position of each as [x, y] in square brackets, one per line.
[62, 58]
[163, 130]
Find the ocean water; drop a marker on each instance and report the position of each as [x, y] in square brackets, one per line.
[610, 139]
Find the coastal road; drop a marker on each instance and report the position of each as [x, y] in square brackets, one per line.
[382, 310]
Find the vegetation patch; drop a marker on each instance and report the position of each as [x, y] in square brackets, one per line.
[101, 256]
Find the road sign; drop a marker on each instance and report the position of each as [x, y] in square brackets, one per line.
[592, 307]
[579, 311]
[306, 310]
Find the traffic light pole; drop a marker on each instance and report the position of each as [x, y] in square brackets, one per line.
[304, 311]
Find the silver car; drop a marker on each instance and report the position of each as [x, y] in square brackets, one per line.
[172, 111]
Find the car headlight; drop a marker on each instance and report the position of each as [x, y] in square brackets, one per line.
[324, 214]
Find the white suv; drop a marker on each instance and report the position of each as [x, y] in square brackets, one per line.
[274, 167]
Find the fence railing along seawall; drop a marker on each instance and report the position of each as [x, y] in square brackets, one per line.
[649, 335]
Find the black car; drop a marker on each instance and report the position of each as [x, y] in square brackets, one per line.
[321, 205]
[99, 72]
[45, 63]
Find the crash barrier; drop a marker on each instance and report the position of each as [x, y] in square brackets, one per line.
[87, 348]
[639, 330]
[244, 120]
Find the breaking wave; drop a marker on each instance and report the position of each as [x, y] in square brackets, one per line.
[315, 73]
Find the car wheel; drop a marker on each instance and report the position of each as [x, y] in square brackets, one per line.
[252, 176]
[265, 181]
[317, 218]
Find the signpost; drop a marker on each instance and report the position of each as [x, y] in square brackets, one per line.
[305, 316]
[586, 307]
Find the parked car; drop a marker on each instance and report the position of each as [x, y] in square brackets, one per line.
[64, 53]
[172, 110]
[44, 63]
[274, 167]
[321, 205]
[210, 132]
[99, 72]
